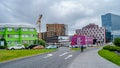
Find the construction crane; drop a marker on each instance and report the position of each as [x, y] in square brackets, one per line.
[39, 25]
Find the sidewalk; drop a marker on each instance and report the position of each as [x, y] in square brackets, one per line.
[91, 59]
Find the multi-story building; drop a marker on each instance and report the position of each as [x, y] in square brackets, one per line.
[56, 30]
[94, 31]
[18, 34]
[58, 40]
[53, 31]
[112, 24]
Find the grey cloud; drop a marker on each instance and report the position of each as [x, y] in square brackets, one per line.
[75, 13]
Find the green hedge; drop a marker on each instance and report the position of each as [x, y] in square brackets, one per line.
[110, 55]
[75, 49]
[111, 48]
[117, 41]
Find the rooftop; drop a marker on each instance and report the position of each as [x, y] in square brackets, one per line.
[17, 25]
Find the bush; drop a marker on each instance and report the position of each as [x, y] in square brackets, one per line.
[2, 47]
[111, 56]
[5, 43]
[40, 42]
[111, 48]
[26, 45]
[118, 50]
[117, 41]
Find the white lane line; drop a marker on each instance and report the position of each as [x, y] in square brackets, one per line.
[68, 56]
[48, 55]
[64, 54]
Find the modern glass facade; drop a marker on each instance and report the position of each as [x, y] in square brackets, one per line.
[106, 22]
[112, 24]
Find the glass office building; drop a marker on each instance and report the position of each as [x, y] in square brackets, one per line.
[112, 24]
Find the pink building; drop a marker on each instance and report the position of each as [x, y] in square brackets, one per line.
[94, 31]
[81, 40]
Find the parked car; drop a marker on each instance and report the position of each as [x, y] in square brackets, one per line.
[17, 46]
[51, 46]
[38, 47]
[31, 46]
[75, 46]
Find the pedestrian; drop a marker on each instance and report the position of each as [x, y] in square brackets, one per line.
[82, 48]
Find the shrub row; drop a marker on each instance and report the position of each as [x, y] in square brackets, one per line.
[111, 48]
[2, 47]
[109, 55]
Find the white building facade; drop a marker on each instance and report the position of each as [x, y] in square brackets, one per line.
[94, 31]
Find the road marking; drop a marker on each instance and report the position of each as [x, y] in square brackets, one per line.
[48, 55]
[68, 56]
[64, 54]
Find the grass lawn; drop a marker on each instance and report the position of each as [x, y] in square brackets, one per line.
[111, 56]
[75, 49]
[12, 54]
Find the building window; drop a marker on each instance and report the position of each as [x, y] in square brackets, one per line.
[24, 36]
[9, 42]
[31, 35]
[2, 29]
[31, 29]
[24, 41]
[24, 29]
[16, 29]
[1, 36]
[16, 42]
[9, 29]
[9, 36]
[31, 42]
[16, 36]
[51, 29]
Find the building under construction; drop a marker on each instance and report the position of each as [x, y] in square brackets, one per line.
[56, 30]
[53, 30]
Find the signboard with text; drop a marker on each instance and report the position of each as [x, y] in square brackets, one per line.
[81, 40]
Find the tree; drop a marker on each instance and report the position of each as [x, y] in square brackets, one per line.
[117, 41]
[40, 42]
[5, 43]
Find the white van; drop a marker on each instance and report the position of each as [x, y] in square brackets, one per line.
[17, 46]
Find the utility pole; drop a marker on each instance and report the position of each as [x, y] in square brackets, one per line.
[39, 26]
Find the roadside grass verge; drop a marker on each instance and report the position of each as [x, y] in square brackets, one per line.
[75, 49]
[110, 55]
[12, 54]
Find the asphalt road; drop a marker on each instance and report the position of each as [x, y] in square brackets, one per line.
[58, 59]
[91, 59]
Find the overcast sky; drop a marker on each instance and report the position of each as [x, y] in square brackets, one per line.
[74, 13]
